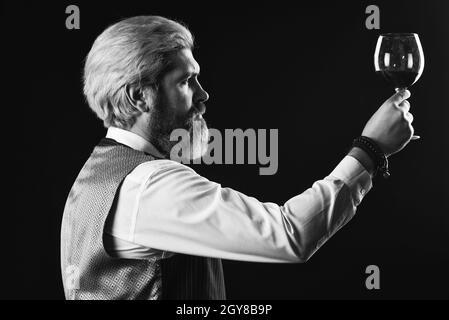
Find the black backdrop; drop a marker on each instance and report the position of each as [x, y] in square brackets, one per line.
[305, 69]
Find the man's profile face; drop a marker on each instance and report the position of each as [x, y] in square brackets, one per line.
[181, 86]
[180, 104]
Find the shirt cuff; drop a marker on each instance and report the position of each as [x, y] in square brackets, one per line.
[355, 176]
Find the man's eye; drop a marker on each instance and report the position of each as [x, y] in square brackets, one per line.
[184, 82]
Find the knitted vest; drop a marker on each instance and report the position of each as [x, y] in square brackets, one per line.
[88, 272]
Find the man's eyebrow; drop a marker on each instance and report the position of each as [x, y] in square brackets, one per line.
[189, 73]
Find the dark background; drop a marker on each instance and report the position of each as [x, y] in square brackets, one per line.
[306, 70]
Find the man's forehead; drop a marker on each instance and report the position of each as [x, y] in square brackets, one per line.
[184, 62]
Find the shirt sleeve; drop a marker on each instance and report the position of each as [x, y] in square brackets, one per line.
[181, 211]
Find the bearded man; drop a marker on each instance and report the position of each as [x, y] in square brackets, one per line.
[138, 225]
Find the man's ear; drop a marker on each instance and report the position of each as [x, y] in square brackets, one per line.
[136, 98]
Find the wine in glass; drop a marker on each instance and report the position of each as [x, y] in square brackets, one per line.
[399, 59]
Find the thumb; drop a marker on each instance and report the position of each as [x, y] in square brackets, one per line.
[400, 96]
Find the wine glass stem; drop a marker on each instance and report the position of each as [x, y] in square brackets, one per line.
[400, 89]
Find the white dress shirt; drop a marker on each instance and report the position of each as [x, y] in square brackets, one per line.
[165, 207]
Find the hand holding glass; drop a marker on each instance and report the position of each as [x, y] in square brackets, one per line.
[399, 59]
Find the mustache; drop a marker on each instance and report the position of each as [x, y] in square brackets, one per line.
[190, 117]
[199, 108]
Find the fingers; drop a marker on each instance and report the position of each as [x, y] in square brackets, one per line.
[409, 118]
[405, 106]
[400, 102]
[400, 96]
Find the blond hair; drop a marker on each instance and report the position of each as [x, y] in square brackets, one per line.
[134, 51]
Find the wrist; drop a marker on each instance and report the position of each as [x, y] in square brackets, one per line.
[365, 160]
[375, 153]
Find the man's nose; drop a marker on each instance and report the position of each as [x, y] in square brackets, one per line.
[201, 94]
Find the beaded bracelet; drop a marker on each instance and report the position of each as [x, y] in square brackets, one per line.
[375, 152]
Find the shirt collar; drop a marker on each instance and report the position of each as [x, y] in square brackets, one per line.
[132, 140]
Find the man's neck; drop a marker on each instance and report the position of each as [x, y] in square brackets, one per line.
[136, 140]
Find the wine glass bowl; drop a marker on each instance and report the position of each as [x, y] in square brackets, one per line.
[399, 59]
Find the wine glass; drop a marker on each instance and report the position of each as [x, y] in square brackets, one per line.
[399, 59]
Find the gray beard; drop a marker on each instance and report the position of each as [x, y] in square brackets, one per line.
[163, 122]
